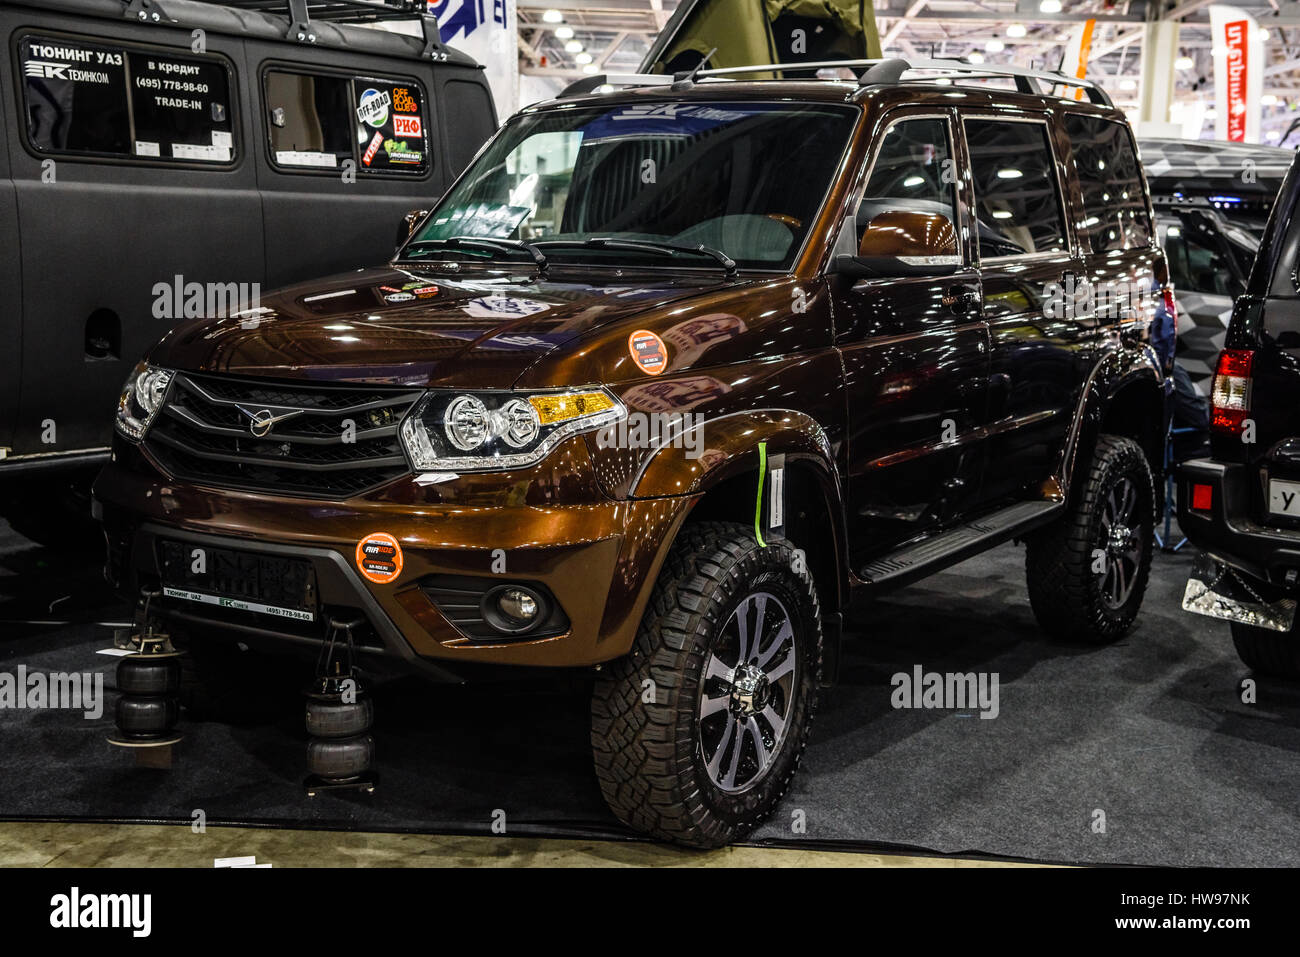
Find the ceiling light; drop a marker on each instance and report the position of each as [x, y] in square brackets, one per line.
[1016, 31]
[1184, 63]
[975, 57]
[1009, 174]
[591, 68]
[1272, 135]
[564, 33]
[1211, 114]
[1264, 34]
[1268, 99]
[994, 46]
[553, 16]
[573, 46]
[582, 58]
[1128, 84]
[1050, 6]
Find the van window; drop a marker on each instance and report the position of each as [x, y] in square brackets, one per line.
[119, 101]
[1198, 260]
[1114, 203]
[317, 121]
[468, 110]
[912, 172]
[1017, 204]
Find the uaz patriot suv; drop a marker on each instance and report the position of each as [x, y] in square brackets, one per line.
[677, 369]
[1242, 505]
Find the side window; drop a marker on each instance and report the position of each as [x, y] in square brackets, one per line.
[912, 172]
[1017, 204]
[123, 102]
[310, 119]
[1197, 260]
[1114, 203]
[317, 121]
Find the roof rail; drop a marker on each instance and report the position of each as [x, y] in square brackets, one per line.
[883, 72]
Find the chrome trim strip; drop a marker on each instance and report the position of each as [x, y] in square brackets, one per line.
[974, 435]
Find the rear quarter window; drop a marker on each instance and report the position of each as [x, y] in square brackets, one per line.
[470, 118]
[319, 121]
[1115, 214]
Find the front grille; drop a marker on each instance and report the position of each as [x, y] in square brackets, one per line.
[204, 433]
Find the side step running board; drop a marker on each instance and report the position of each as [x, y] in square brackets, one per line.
[920, 558]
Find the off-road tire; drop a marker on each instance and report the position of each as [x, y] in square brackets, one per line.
[647, 754]
[1064, 591]
[1268, 652]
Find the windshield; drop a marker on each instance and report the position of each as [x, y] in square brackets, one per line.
[742, 180]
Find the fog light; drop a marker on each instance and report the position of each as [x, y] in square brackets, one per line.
[517, 604]
[514, 609]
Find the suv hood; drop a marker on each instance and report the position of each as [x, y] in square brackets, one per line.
[417, 327]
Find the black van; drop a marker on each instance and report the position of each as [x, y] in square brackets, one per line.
[168, 159]
[1242, 505]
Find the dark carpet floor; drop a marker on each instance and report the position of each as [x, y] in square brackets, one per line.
[1149, 735]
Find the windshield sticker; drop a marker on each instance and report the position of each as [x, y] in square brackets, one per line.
[305, 158]
[399, 152]
[648, 351]
[407, 126]
[504, 307]
[369, 156]
[379, 558]
[403, 101]
[373, 107]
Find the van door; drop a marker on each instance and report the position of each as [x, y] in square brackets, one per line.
[135, 203]
[915, 356]
[1026, 255]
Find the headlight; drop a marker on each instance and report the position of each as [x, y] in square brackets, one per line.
[484, 431]
[141, 398]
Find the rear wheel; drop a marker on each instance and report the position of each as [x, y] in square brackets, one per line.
[1087, 572]
[1268, 652]
[697, 733]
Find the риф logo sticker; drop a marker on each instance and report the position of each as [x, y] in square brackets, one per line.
[76, 910]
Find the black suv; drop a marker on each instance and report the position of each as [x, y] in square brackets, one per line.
[1242, 505]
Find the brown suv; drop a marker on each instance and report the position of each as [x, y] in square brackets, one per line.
[677, 369]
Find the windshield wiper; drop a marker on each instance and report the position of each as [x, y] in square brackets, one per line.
[648, 245]
[483, 242]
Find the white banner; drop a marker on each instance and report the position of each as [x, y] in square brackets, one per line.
[1238, 73]
[486, 30]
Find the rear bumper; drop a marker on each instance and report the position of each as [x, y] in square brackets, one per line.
[597, 560]
[1226, 531]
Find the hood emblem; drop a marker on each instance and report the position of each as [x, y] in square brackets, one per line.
[260, 422]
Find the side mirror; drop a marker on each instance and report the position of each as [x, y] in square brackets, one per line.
[900, 243]
[408, 224]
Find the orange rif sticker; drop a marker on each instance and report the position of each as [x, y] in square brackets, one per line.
[648, 351]
[379, 557]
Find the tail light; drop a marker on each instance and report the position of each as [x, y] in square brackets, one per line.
[1230, 396]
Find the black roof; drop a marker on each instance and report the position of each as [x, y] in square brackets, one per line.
[256, 19]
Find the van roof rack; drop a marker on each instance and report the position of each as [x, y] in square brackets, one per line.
[335, 11]
[301, 14]
[882, 72]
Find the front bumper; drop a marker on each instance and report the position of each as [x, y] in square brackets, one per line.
[597, 559]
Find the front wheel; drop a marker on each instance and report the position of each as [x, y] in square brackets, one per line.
[697, 733]
[1087, 571]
